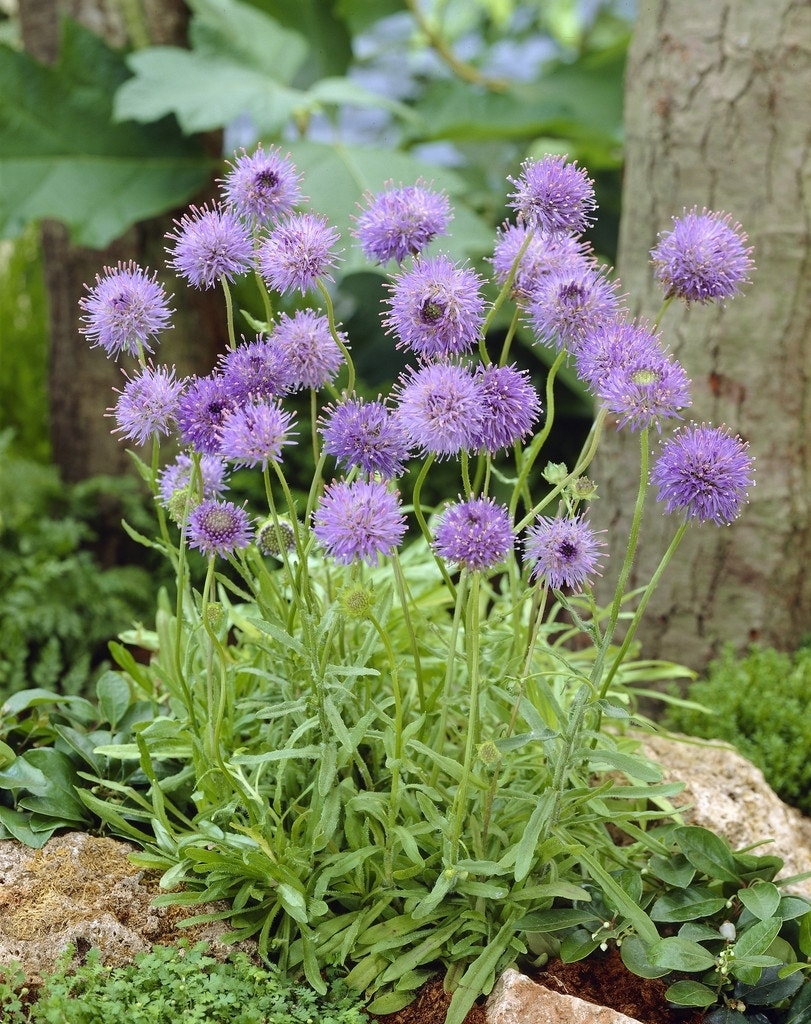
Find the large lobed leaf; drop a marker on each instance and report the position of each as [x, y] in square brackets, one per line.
[63, 158]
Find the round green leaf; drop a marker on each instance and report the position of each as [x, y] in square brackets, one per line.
[690, 993]
[678, 954]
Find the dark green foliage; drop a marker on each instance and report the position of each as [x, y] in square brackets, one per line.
[760, 705]
[60, 607]
[174, 983]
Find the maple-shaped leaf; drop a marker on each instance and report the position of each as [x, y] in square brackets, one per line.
[62, 157]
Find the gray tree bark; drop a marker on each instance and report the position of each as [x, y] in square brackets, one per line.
[81, 379]
[717, 116]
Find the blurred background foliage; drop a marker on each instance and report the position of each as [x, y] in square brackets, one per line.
[360, 92]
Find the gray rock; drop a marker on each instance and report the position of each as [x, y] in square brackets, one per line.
[517, 999]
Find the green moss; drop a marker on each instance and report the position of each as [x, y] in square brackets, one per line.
[759, 704]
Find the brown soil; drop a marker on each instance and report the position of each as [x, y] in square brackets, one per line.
[601, 979]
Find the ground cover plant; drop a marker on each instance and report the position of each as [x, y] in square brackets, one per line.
[758, 704]
[391, 731]
[171, 983]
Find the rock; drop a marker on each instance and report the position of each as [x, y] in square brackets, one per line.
[726, 794]
[517, 999]
[83, 890]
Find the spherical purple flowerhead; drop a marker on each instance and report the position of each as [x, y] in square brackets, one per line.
[254, 434]
[510, 406]
[704, 472]
[437, 308]
[177, 476]
[256, 370]
[399, 222]
[203, 409]
[262, 186]
[125, 310]
[545, 253]
[359, 520]
[148, 404]
[440, 407]
[553, 195]
[475, 534]
[298, 252]
[218, 528]
[365, 435]
[704, 258]
[564, 552]
[312, 355]
[613, 346]
[645, 391]
[210, 244]
[566, 306]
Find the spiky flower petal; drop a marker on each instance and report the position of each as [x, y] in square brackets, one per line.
[510, 406]
[440, 407]
[312, 355]
[564, 552]
[254, 434]
[436, 308]
[474, 534]
[218, 528]
[125, 310]
[360, 520]
[298, 252]
[262, 186]
[553, 195]
[704, 258]
[705, 473]
[209, 244]
[148, 404]
[365, 435]
[399, 222]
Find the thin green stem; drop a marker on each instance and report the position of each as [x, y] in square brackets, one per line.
[229, 313]
[336, 337]
[472, 626]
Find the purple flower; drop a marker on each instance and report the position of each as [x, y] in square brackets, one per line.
[254, 434]
[564, 552]
[440, 407]
[510, 406]
[475, 534]
[202, 411]
[365, 435]
[124, 310]
[613, 346]
[298, 252]
[401, 221]
[263, 186]
[566, 306]
[545, 254]
[436, 308]
[703, 259]
[312, 355]
[148, 404]
[648, 389]
[177, 476]
[705, 473]
[553, 195]
[359, 520]
[218, 528]
[256, 370]
[209, 244]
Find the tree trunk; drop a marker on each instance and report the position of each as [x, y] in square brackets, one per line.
[717, 117]
[81, 379]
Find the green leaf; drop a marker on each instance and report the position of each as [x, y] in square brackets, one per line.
[686, 904]
[690, 993]
[114, 696]
[577, 946]
[677, 954]
[676, 870]
[15, 825]
[757, 939]
[636, 767]
[707, 851]
[62, 157]
[634, 955]
[761, 899]
[770, 989]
